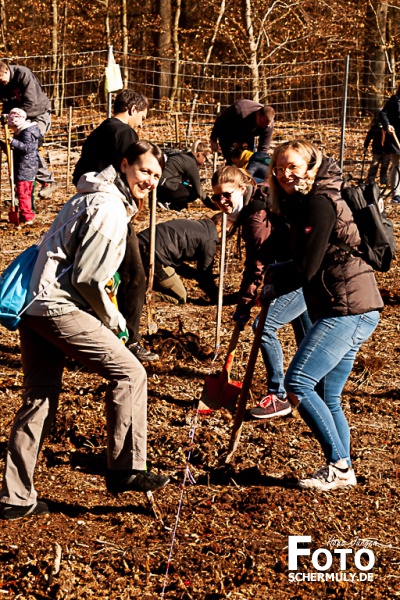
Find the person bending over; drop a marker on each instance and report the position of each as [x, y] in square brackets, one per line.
[176, 243]
[180, 181]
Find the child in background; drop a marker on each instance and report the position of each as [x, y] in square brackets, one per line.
[380, 152]
[26, 162]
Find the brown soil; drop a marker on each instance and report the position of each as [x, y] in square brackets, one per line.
[233, 526]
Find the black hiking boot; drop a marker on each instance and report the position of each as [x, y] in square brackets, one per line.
[11, 512]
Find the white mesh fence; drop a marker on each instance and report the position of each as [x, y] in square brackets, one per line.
[186, 98]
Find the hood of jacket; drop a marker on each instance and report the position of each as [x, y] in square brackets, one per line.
[109, 181]
[328, 180]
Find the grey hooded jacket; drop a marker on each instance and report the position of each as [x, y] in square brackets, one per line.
[88, 238]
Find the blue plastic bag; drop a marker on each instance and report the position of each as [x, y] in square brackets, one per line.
[14, 284]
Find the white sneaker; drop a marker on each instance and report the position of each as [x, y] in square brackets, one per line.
[46, 191]
[329, 478]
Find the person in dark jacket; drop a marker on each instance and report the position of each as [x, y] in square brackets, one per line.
[266, 240]
[178, 242]
[390, 119]
[19, 88]
[108, 142]
[341, 295]
[24, 145]
[105, 146]
[180, 181]
[381, 149]
[240, 124]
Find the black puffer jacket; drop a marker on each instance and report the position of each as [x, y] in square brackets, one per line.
[182, 240]
[334, 283]
[25, 146]
[181, 167]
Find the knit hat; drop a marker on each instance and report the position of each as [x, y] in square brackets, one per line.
[16, 117]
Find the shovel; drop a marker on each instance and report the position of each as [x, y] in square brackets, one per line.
[1, 178]
[241, 405]
[219, 390]
[221, 282]
[13, 213]
[152, 326]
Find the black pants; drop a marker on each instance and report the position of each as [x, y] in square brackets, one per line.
[132, 290]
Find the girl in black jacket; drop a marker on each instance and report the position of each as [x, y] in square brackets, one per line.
[341, 295]
[26, 162]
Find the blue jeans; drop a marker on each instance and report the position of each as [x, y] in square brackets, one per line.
[258, 170]
[285, 309]
[328, 352]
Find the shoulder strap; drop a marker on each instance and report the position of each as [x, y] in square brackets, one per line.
[41, 241]
[45, 238]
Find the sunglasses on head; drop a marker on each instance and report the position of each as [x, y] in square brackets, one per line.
[217, 197]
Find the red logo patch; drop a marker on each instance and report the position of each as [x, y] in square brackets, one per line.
[308, 229]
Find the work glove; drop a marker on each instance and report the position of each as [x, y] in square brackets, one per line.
[112, 288]
[123, 336]
[241, 318]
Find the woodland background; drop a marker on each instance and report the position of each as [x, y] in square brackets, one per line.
[246, 32]
[232, 536]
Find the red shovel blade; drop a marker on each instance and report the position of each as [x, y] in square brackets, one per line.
[13, 218]
[219, 392]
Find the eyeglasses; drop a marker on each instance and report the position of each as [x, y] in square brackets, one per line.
[226, 195]
[281, 171]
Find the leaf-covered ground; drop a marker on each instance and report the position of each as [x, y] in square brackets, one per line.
[231, 536]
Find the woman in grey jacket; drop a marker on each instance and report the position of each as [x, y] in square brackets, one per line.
[341, 295]
[74, 316]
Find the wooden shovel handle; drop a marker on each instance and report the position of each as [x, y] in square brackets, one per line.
[241, 405]
[221, 282]
[233, 342]
[396, 139]
[151, 310]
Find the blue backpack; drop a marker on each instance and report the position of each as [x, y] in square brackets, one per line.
[14, 284]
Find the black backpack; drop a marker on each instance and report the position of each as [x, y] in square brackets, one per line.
[376, 230]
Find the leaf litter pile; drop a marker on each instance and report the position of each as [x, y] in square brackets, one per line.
[230, 523]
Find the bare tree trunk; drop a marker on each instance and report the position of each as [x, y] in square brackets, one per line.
[55, 58]
[3, 25]
[215, 33]
[107, 23]
[392, 53]
[203, 71]
[376, 56]
[125, 40]
[175, 42]
[255, 78]
[164, 48]
[148, 10]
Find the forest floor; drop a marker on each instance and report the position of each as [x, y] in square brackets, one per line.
[230, 523]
